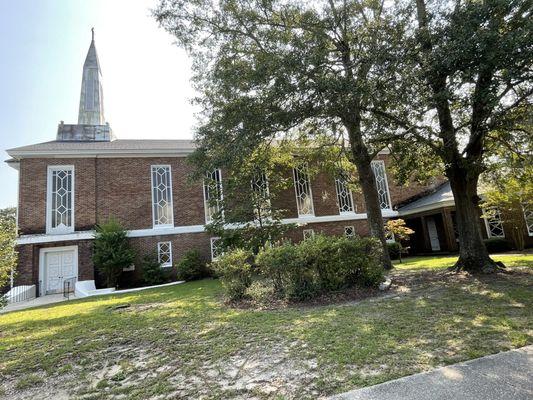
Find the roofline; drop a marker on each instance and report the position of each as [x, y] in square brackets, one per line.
[428, 207]
[105, 153]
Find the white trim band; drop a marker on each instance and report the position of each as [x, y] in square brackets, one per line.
[176, 230]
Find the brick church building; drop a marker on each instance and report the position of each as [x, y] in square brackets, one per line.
[86, 175]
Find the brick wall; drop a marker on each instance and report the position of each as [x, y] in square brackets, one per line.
[28, 260]
[32, 193]
[121, 187]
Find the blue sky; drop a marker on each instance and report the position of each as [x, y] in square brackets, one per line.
[146, 77]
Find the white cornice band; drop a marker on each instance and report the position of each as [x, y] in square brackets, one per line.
[176, 230]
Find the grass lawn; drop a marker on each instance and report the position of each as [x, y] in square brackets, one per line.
[414, 263]
[183, 342]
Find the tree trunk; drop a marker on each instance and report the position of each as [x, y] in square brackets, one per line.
[473, 255]
[367, 181]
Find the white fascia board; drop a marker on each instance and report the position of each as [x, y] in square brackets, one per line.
[429, 207]
[177, 230]
[98, 153]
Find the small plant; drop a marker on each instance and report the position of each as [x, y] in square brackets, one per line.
[112, 251]
[401, 233]
[151, 270]
[191, 267]
[394, 250]
[235, 272]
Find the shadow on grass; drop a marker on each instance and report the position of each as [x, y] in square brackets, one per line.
[355, 345]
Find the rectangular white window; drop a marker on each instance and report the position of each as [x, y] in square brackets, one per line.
[261, 193]
[215, 250]
[344, 194]
[60, 199]
[302, 187]
[493, 223]
[212, 194]
[308, 234]
[164, 254]
[349, 231]
[162, 208]
[528, 216]
[382, 186]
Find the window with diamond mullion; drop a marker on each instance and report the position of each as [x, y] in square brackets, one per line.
[528, 216]
[162, 196]
[261, 192]
[61, 200]
[164, 250]
[344, 195]
[378, 167]
[212, 193]
[304, 197]
[493, 223]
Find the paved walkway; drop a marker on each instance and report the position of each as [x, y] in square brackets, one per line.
[38, 301]
[503, 376]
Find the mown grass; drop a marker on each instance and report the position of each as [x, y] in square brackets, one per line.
[183, 342]
[440, 262]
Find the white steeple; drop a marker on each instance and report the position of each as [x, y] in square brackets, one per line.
[91, 99]
[91, 124]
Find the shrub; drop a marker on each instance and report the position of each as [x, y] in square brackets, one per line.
[363, 261]
[394, 250]
[497, 245]
[320, 264]
[112, 252]
[234, 270]
[152, 273]
[191, 267]
[260, 291]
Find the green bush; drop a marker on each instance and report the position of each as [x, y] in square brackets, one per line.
[394, 250]
[111, 251]
[234, 269]
[320, 264]
[497, 245]
[152, 273]
[260, 291]
[191, 267]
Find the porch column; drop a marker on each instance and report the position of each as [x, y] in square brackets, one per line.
[448, 230]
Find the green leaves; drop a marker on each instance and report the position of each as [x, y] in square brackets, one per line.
[8, 234]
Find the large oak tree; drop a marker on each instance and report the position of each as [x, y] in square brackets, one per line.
[268, 68]
[472, 71]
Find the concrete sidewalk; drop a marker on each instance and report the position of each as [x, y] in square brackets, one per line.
[503, 376]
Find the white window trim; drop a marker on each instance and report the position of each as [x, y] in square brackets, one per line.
[386, 182]
[312, 214]
[209, 218]
[169, 263]
[354, 207]
[154, 221]
[487, 225]
[308, 234]
[49, 229]
[211, 241]
[353, 231]
[525, 211]
[268, 203]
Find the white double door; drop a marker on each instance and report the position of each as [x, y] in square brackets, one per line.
[59, 265]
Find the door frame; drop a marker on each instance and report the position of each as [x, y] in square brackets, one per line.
[42, 264]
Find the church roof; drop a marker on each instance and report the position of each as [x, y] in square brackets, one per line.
[124, 147]
[442, 197]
